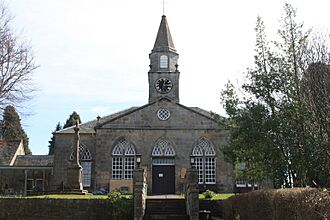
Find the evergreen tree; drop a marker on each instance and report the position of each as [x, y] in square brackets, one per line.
[273, 128]
[72, 120]
[52, 140]
[12, 129]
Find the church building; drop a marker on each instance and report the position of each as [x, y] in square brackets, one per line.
[167, 136]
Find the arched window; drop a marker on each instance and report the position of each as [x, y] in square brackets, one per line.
[85, 159]
[163, 148]
[163, 61]
[204, 155]
[123, 160]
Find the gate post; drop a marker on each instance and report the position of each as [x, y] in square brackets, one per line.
[192, 191]
[139, 192]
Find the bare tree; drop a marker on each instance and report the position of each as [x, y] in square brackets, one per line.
[16, 64]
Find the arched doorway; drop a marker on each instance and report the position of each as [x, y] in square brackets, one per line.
[163, 168]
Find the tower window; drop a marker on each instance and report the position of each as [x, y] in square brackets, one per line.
[163, 61]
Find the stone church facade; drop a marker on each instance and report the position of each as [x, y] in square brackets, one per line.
[168, 137]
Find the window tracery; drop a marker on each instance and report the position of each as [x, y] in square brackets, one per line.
[163, 148]
[205, 163]
[123, 160]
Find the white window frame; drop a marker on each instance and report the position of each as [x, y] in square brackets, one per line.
[117, 168]
[123, 161]
[205, 161]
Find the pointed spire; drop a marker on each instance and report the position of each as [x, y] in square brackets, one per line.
[164, 40]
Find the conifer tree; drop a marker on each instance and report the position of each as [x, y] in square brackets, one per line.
[12, 129]
[72, 120]
[52, 140]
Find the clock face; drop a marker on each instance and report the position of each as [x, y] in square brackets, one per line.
[163, 85]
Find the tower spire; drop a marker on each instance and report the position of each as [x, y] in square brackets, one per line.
[163, 74]
[164, 41]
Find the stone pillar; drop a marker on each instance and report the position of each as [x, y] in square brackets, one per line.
[25, 182]
[192, 191]
[139, 192]
[75, 169]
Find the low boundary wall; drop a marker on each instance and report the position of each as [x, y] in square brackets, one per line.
[34, 208]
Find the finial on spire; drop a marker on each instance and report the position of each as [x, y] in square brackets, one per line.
[163, 7]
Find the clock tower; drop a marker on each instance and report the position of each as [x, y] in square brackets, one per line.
[163, 74]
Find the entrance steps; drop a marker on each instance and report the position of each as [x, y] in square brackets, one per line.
[165, 209]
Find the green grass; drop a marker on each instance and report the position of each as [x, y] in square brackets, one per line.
[216, 196]
[64, 196]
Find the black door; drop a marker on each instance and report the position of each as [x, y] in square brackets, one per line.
[163, 179]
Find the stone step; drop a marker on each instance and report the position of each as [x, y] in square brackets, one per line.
[162, 208]
[166, 217]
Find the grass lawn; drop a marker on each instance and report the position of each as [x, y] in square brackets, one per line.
[64, 196]
[216, 196]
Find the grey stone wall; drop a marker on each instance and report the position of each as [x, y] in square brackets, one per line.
[143, 129]
[14, 179]
[173, 94]
[63, 149]
[35, 209]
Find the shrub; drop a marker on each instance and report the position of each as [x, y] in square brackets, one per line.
[208, 194]
[122, 207]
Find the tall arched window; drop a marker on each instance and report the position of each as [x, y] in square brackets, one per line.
[163, 61]
[123, 160]
[204, 161]
[85, 158]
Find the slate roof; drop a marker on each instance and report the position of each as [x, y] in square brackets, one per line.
[7, 151]
[164, 41]
[202, 111]
[88, 127]
[34, 160]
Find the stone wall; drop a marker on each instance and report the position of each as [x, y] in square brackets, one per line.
[63, 150]
[26, 209]
[11, 182]
[143, 129]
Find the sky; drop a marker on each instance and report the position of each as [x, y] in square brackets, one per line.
[93, 54]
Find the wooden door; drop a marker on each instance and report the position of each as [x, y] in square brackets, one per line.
[163, 179]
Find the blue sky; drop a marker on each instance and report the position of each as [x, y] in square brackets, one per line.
[93, 54]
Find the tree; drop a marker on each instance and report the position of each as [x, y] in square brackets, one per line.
[16, 65]
[52, 140]
[273, 128]
[12, 129]
[72, 120]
